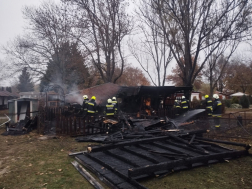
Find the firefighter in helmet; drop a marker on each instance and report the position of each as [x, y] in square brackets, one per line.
[177, 107]
[114, 102]
[184, 105]
[92, 107]
[85, 104]
[110, 109]
[217, 105]
[209, 105]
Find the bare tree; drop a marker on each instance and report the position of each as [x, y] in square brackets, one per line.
[189, 24]
[152, 51]
[48, 30]
[216, 67]
[239, 76]
[101, 26]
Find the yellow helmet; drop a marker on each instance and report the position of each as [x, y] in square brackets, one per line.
[93, 97]
[109, 100]
[206, 96]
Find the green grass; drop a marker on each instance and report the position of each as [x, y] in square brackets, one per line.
[27, 162]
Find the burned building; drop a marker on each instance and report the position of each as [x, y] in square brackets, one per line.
[148, 99]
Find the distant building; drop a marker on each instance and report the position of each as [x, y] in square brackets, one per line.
[51, 98]
[5, 96]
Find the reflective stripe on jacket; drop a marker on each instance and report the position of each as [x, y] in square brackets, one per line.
[91, 108]
[110, 109]
[217, 107]
[115, 104]
[184, 104]
[85, 104]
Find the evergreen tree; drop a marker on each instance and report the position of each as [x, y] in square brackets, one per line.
[25, 83]
[66, 68]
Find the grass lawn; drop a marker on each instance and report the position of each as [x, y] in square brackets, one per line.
[27, 161]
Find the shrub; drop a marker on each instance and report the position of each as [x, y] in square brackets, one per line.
[244, 102]
[235, 100]
[236, 106]
[195, 103]
[227, 103]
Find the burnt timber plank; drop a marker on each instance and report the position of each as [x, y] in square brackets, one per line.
[85, 174]
[247, 146]
[136, 161]
[192, 160]
[111, 179]
[141, 153]
[117, 172]
[185, 147]
[173, 149]
[179, 139]
[128, 143]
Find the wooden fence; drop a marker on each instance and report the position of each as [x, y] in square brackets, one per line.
[59, 121]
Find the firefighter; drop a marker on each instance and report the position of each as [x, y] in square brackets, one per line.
[114, 102]
[110, 109]
[91, 108]
[184, 105]
[209, 105]
[217, 110]
[85, 104]
[177, 107]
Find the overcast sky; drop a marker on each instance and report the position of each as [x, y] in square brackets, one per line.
[12, 22]
[11, 19]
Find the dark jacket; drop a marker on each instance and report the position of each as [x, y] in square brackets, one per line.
[184, 103]
[110, 109]
[92, 107]
[85, 104]
[114, 102]
[209, 103]
[217, 107]
[176, 104]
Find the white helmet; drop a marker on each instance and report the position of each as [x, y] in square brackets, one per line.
[183, 97]
[176, 100]
[216, 96]
[109, 100]
[85, 97]
[114, 98]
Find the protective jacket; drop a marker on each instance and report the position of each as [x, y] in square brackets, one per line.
[176, 104]
[217, 108]
[85, 104]
[110, 109]
[92, 109]
[184, 104]
[114, 102]
[209, 106]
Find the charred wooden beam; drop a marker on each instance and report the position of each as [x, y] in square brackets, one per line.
[186, 143]
[92, 169]
[86, 174]
[166, 166]
[193, 137]
[130, 180]
[166, 147]
[140, 155]
[247, 146]
[121, 144]
[121, 158]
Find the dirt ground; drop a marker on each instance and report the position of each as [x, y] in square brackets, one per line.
[35, 161]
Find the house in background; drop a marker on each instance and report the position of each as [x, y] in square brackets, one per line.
[5, 96]
[50, 98]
